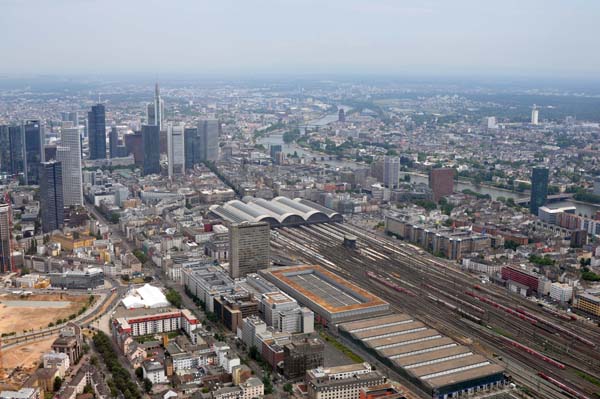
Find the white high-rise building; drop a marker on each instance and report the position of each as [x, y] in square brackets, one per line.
[391, 171]
[175, 149]
[69, 155]
[535, 114]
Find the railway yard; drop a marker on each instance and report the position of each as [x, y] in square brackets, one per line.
[546, 353]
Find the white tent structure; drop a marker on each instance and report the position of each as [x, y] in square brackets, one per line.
[146, 296]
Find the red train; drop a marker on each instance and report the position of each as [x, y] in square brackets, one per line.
[558, 328]
[562, 386]
[502, 307]
[535, 353]
[390, 284]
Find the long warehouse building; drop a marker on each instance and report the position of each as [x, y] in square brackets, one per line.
[333, 299]
[439, 365]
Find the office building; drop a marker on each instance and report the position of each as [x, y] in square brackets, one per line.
[6, 264]
[208, 132]
[72, 117]
[301, 356]
[275, 149]
[151, 146]
[11, 150]
[249, 248]
[33, 137]
[341, 115]
[539, 189]
[69, 155]
[535, 114]
[175, 149]
[51, 196]
[155, 111]
[113, 142]
[441, 182]
[97, 132]
[342, 382]
[134, 144]
[589, 302]
[391, 171]
[193, 155]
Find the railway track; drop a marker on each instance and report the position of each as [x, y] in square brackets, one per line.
[322, 244]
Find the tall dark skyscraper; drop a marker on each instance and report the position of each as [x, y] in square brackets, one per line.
[97, 132]
[151, 140]
[539, 188]
[192, 147]
[33, 136]
[11, 150]
[51, 196]
[113, 142]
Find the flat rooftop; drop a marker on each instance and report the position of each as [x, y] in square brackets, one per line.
[436, 361]
[327, 290]
[375, 322]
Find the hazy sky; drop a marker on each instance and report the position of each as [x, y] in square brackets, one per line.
[523, 37]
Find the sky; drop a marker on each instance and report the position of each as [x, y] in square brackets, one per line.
[549, 38]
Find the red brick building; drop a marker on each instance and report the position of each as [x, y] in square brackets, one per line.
[441, 182]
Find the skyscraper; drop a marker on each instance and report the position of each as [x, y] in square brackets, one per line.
[341, 115]
[134, 144]
[69, 155]
[97, 132]
[33, 136]
[113, 142]
[70, 117]
[208, 131]
[151, 141]
[441, 182]
[155, 111]
[5, 237]
[11, 150]
[535, 114]
[539, 188]
[391, 171]
[175, 149]
[51, 196]
[248, 248]
[192, 147]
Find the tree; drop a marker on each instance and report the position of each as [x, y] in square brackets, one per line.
[174, 297]
[57, 383]
[253, 353]
[147, 385]
[288, 387]
[139, 373]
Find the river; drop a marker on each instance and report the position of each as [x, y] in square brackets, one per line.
[584, 209]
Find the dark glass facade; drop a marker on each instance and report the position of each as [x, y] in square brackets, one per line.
[191, 143]
[33, 136]
[539, 189]
[151, 141]
[11, 150]
[97, 132]
[51, 196]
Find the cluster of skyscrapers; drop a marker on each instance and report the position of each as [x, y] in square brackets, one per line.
[23, 153]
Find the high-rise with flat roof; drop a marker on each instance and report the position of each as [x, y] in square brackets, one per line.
[391, 171]
[33, 139]
[441, 182]
[208, 132]
[155, 111]
[193, 155]
[5, 236]
[97, 132]
[51, 196]
[248, 248]
[175, 149]
[11, 150]
[539, 189]
[69, 155]
[113, 142]
[151, 145]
